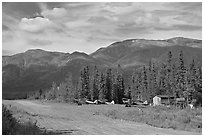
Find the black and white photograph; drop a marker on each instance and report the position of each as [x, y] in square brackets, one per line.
[101, 68]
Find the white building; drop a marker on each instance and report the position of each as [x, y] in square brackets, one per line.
[162, 100]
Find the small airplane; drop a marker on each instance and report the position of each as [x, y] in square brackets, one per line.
[110, 103]
[137, 102]
[91, 102]
[101, 102]
[126, 101]
[140, 102]
[78, 101]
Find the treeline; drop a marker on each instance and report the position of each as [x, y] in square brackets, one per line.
[91, 86]
[64, 92]
[101, 86]
[172, 78]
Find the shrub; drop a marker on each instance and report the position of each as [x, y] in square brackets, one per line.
[10, 126]
[8, 122]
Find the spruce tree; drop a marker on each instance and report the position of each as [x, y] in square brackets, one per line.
[181, 75]
[134, 85]
[191, 80]
[150, 89]
[108, 85]
[53, 91]
[102, 88]
[85, 83]
[96, 81]
[169, 81]
[139, 86]
[162, 80]
[129, 96]
[115, 89]
[82, 85]
[174, 80]
[145, 95]
[192, 73]
[69, 91]
[154, 80]
[121, 88]
[198, 78]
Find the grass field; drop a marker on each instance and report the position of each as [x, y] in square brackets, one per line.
[13, 126]
[160, 116]
[106, 119]
[10, 125]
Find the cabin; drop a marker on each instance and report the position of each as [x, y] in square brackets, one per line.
[181, 102]
[163, 100]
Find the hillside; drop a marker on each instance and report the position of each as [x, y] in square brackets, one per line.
[136, 52]
[37, 69]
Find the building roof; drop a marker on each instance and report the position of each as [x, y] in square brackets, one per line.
[164, 96]
[180, 99]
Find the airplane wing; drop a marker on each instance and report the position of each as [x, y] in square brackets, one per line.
[76, 100]
[89, 102]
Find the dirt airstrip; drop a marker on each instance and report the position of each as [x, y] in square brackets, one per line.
[73, 119]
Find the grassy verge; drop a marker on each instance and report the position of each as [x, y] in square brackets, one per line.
[10, 126]
[163, 117]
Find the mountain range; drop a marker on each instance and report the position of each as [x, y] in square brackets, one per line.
[36, 69]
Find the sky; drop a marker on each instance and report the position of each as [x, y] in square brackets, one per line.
[86, 27]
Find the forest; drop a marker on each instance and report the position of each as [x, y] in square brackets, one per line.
[172, 78]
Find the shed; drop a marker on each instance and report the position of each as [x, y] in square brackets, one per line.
[162, 100]
[181, 102]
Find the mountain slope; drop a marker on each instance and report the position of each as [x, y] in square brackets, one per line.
[159, 54]
[135, 52]
[40, 70]
[37, 69]
[35, 57]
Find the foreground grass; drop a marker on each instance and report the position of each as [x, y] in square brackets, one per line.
[10, 126]
[163, 117]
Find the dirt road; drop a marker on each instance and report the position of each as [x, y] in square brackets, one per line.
[75, 119]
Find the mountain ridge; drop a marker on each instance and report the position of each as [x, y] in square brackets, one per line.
[36, 68]
[170, 39]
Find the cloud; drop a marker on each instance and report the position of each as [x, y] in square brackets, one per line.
[147, 19]
[179, 27]
[187, 27]
[19, 10]
[162, 13]
[186, 5]
[6, 52]
[5, 28]
[81, 5]
[54, 13]
[9, 21]
[34, 24]
[132, 28]
[189, 18]
[118, 9]
[119, 4]
[77, 25]
[97, 19]
[191, 8]
[7, 35]
[86, 26]
[102, 19]
[43, 6]
[39, 42]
